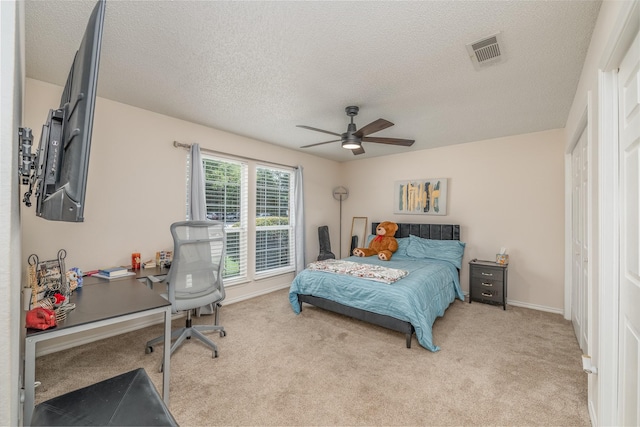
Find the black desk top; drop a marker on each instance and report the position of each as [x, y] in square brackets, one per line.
[141, 273]
[102, 299]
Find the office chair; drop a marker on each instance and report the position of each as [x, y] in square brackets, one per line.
[195, 278]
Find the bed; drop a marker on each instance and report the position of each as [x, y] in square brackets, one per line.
[431, 257]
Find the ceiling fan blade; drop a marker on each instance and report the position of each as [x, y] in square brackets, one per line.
[373, 127]
[318, 130]
[357, 151]
[390, 141]
[319, 143]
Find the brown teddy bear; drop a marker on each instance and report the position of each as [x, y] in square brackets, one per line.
[384, 244]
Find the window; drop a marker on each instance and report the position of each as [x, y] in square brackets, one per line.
[226, 199]
[226, 191]
[274, 228]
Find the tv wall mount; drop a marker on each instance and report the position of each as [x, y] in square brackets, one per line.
[27, 160]
[31, 165]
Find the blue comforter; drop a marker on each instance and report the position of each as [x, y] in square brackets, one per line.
[418, 298]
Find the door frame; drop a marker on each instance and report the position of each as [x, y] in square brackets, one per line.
[583, 127]
[622, 35]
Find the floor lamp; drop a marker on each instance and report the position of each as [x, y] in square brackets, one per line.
[340, 193]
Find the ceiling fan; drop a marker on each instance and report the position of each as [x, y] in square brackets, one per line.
[352, 139]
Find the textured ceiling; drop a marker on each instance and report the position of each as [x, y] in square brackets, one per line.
[260, 68]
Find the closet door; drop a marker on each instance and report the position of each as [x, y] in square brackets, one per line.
[580, 243]
[629, 320]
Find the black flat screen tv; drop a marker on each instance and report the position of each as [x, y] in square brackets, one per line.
[60, 167]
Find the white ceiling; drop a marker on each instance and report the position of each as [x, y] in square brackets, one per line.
[259, 68]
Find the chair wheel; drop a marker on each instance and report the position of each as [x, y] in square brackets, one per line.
[148, 350]
[223, 333]
[215, 354]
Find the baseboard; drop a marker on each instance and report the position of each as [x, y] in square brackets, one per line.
[81, 338]
[592, 414]
[265, 291]
[527, 305]
[64, 343]
[535, 307]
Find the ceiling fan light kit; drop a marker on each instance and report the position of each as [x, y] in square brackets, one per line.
[352, 138]
[351, 145]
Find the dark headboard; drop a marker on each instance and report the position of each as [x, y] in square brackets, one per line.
[426, 231]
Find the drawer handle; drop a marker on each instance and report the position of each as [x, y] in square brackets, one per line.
[486, 284]
[487, 294]
[486, 274]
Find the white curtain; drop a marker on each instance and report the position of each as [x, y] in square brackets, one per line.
[197, 201]
[299, 218]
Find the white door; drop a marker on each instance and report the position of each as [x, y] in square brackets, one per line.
[629, 321]
[579, 276]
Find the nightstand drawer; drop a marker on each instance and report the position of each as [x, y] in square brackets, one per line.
[479, 283]
[488, 294]
[487, 273]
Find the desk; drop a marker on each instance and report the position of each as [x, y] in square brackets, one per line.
[143, 273]
[149, 276]
[100, 303]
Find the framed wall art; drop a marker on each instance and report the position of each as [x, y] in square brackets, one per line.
[426, 196]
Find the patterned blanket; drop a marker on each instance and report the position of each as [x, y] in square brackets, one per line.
[355, 269]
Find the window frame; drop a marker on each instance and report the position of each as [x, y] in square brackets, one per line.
[290, 226]
[239, 227]
[247, 223]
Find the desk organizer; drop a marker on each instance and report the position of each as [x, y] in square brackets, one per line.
[47, 278]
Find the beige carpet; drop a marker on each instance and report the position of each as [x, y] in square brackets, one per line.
[495, 367]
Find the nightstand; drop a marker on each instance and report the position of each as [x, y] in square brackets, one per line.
[488, 282]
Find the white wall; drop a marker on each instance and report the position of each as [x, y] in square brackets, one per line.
[12, 72]
[137, 187]
[505, 192]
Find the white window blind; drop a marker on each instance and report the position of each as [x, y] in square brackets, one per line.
[226, 183]
[274, 226]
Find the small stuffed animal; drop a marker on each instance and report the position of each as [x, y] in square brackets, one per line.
[74, 276]
[383, 245]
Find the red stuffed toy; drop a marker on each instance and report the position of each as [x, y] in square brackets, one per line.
[40, 318]
[383, 245]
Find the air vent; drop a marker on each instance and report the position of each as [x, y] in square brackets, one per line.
[486, 51]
